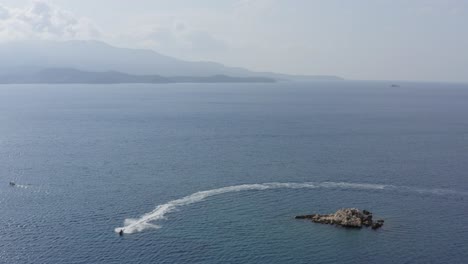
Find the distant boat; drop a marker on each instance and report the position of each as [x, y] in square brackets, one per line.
[12, 184]
[395, 85]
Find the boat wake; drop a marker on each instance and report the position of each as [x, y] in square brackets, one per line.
[24, 186]
[147, 220]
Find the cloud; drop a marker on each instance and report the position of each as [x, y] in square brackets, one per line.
[42, 20]
[177, 38]
[4, 13]
[202, 41]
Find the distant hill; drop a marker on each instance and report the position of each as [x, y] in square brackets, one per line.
[29, 58]
[66, 75]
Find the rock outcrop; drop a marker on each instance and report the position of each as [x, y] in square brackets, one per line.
[346, 217]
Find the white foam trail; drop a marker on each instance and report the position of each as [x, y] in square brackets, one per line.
[24, 186]
[159, 213]
[142, 223]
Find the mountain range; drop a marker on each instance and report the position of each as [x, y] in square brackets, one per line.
[97, 62]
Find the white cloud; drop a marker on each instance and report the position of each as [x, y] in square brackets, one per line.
[182, 37]
[42, 20]
[4, 13]
[174, 37]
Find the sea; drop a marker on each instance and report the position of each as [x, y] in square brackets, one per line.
[215, 173]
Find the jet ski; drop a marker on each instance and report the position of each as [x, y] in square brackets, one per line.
[12, 184]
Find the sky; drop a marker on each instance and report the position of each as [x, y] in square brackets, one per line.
[423, 40]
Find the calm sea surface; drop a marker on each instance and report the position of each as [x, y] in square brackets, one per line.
[87, 159]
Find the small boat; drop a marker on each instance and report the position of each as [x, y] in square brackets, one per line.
[121, 232]
[395, 85]
[12, 184]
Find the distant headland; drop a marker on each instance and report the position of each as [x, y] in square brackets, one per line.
[74, 76]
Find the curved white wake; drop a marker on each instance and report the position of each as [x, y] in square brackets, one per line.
[144, 222]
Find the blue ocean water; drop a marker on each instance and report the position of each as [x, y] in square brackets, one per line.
[88, 159]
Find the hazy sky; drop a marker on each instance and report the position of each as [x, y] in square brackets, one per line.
[358, 39]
